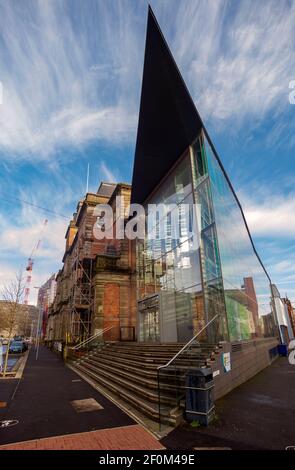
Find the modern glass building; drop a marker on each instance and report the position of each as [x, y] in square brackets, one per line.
[204, 263]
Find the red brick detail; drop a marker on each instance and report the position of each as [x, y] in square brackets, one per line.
[111, 302]
[111, 310]
[124, 438]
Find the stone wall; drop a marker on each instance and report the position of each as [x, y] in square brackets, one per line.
[247, 359]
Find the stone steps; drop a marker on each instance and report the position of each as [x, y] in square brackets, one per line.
[130, 372]
[149, 371]
[149, 359]
[141, 387]
[159, 354]
[145, 406]
[144, 381]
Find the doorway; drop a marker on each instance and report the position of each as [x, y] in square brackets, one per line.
[149, 320]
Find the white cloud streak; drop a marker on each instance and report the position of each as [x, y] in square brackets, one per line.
[22, 228]
[238, 58]
[72, 72]
[271, 217]
[55, 95]
[107, 174]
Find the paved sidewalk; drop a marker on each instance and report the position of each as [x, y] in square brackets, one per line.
[42, 405]
[7, 388]
[260, 414]
[125, 438]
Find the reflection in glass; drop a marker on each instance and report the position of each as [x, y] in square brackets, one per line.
[195, 276]
[246, 285]
[170, 265]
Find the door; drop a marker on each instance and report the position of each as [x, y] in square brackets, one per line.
[149, 321]
[151, 330]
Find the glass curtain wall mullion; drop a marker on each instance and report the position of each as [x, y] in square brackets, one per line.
[198, 238]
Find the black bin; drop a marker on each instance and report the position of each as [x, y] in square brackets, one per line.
[199, 399]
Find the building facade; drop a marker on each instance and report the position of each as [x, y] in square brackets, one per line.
[46, 295]
[194, 270]
[187, 277]
[283, 311]
[18, 319]
[93, 288]
[290, 312]
[114, 280]
[184, 281]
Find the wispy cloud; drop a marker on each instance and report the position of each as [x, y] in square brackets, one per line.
[237, 57]
[107, 174]
[271, 217]
[17, 242]
[72, 72]
[22, 226]
[68, 82]
[55, 94]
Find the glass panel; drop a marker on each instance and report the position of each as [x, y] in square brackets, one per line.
[246, 285]
[214, 302]
[150, 325]
[171, 262]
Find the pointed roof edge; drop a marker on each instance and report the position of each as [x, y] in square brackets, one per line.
[150, 57]
[151, 16]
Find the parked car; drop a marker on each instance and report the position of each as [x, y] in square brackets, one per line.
[17, 347]
[18, 338]
[5, 341]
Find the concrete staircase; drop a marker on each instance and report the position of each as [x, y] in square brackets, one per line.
[129, 372]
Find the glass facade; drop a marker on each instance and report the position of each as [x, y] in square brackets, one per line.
[193, 265]
[246, 286]
[169, 263]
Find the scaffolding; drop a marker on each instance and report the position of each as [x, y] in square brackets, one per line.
[81, 293]
[85, 249]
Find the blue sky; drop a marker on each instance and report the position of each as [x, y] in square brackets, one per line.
[71, 73]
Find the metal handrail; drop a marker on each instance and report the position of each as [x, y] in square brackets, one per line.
[88, 340]
[188, 343]
[175, 357]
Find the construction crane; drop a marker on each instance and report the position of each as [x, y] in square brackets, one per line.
[30, 264]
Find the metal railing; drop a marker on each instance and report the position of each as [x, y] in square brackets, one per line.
[175, 369]
[91, 338]
[186, 346]
[93, 342]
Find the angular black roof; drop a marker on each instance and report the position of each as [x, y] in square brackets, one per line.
[168, 119]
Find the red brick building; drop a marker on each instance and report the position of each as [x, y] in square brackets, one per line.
[94, 287]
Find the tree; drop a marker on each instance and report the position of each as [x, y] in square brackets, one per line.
[11, 311]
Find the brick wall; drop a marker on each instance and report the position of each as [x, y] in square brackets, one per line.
[111, 310]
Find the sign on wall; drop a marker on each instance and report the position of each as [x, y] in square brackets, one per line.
[226, 360]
